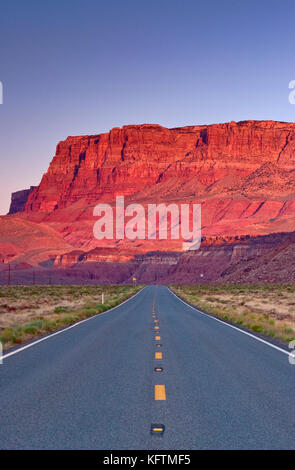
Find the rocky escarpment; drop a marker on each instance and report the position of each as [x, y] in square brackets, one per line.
[256, 259]
[241, 173]
[129, 159]
[274, 263]
[96, 255]
[19, 200]
[215, 259]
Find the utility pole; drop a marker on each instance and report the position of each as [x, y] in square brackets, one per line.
[33, 277]
[8, 281]
[102, 298]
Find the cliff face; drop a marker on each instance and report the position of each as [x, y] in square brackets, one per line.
[19, 200]
[96, 255]
[242, 173]
[265, 258]
[133, 158]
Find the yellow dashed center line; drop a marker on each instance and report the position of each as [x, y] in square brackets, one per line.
[160, 392]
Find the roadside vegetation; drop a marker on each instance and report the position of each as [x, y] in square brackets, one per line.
[268, 309]
[29, 312]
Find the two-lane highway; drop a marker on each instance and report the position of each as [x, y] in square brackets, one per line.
[151, 374]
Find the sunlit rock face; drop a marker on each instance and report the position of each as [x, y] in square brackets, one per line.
[241, 173]
[134, 158]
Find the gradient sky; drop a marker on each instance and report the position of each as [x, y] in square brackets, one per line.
[72, 67]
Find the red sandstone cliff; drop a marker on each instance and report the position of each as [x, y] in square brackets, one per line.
[242, 173]
[19, 200]
[129, 159]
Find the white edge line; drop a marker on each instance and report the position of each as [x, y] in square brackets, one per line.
[67, 328]
[232, 326]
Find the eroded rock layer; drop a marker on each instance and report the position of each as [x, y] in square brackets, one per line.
[242, 174]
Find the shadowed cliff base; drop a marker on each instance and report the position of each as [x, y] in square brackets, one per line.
[255, 259]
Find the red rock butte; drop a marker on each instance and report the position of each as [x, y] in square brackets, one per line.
[241, 172]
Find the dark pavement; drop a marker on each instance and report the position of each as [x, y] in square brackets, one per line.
[93, 386]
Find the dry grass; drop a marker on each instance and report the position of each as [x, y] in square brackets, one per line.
[28, 312]
[267, 309]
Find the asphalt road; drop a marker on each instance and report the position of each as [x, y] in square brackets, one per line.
[94, 386]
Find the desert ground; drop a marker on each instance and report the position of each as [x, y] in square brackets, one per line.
[30, 311]
[27, 312]
[264, 308]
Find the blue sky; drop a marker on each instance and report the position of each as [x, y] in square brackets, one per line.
[72, 67]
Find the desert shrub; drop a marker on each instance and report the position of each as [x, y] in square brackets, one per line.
[288, 330]
[61, 309]
[30, 329]
[257, 328]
